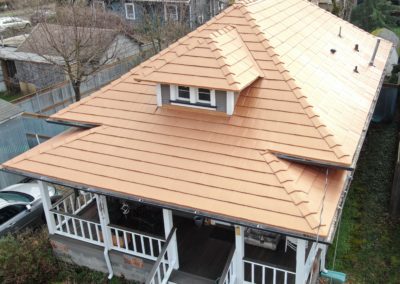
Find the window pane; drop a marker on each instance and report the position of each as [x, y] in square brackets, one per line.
[9, 212]
[183, 93]
[204, 95]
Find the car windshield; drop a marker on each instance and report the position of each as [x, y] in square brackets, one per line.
[15, 197]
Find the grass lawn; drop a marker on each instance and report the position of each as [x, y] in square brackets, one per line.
[369, 244]
[9, 96]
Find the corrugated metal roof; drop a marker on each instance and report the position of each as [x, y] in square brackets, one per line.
[8, 110]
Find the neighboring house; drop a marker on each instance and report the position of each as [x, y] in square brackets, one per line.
[13, 140]
[25, 68]
[193, 12]
[226, 156]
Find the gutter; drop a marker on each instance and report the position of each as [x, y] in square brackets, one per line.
[315, 163]
[159, 204]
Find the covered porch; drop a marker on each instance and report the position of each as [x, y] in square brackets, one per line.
[178, 247]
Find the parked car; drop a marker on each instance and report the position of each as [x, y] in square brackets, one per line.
[13, 23]
[21, 206]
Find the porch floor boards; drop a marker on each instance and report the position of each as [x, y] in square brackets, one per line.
[202, 251]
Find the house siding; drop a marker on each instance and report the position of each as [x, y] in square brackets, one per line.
[220, 100]
[165, 94]
[41, 75]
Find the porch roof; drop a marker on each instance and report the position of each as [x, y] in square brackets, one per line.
[227, 166]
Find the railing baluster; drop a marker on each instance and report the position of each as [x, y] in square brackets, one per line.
[74, 226]
[82, 230]
[263, 274]
[67, 225]
[90, 230]
[252, 272]
[274, 277]
[97, 233]
[134, 242]
[117, 238]
[285, 278]
[125, 240]
[151, 246]
[142, 243]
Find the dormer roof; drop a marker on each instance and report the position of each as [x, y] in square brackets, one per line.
[220, 60]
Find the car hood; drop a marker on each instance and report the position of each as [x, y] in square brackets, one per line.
[28, 188]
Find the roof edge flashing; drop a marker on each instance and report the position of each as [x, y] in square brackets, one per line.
[314, 162]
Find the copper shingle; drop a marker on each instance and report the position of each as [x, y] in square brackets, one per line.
[296, 99]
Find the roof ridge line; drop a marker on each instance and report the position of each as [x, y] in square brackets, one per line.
[296, 90]
[296, 195]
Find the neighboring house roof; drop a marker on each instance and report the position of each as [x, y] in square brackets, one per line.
[307, 103]
[40, 40]
[8, 110]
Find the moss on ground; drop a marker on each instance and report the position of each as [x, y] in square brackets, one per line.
[369, 244]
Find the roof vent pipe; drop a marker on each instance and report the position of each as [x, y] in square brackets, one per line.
[355, 69]
[356, 48]
[371, 63]
[340, 32]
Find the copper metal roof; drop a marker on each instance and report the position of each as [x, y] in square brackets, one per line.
[306, 103]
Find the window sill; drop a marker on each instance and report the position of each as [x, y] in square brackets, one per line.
[197, 105]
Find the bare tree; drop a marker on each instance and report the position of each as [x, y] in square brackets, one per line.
[80, 40]
[161, 26]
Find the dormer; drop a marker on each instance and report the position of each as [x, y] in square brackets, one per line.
[208, 73]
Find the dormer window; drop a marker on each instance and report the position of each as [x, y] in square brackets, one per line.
[194, 97]
[203, 98]
[183, 93]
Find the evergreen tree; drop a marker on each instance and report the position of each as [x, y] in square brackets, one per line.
[372, 14]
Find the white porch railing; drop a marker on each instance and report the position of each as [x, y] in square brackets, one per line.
[78, 228]
[261, 273]
[228, 274]
[74, 204]
[135, 243]
[164, 265]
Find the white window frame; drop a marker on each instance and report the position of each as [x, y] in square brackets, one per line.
[202, 101]
[194, 97]
[180, 98]
[172, 16]
[127, 15]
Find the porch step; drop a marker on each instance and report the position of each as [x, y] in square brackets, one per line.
[180, 277]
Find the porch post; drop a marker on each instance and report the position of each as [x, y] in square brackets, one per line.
[102, 209]
[44, 192]
[323, 256]
[300, 261]
[168, 226]
[239, 247]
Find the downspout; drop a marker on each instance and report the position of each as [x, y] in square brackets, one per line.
[103, 214]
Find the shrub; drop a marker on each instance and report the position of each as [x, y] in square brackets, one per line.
[27, 258]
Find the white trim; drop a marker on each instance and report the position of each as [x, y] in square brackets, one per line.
[172, 16]
[300, 261]
[168, 227]
[159, 97]
[127, 15]
[213, 102]
[44, 192]
[193, 96]
[323, 256]
[172, 92]
[239, 254]
[193, 106]
[230, 102]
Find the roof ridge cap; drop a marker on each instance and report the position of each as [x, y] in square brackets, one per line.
[296, 195]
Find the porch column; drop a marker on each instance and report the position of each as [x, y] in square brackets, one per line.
[323, 256]
[102, 209]
[168, 226]
[300, 261]
[239, 252]
[44, 192]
